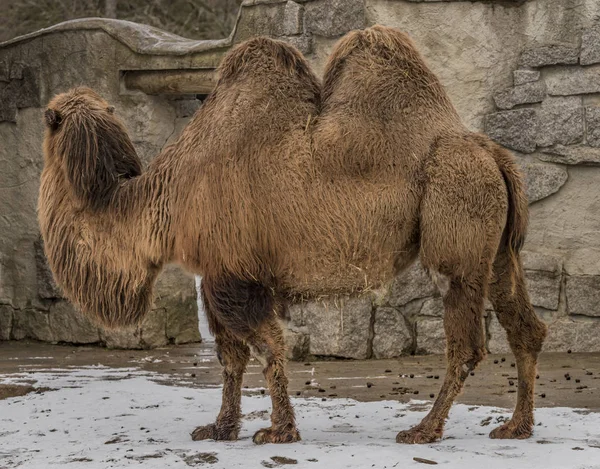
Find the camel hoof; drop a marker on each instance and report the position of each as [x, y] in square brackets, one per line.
[418, 436]
[509, 431]
[212, 432]
[271, 435]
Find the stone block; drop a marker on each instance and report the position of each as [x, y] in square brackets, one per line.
[261, 19]
[153, 330]
[128, 338]
[592, 124]
[297, 344]
[497, 342]
[302, 43]
[181, 318]
[70, 326]
[526, 93]
[573, 80]
[590, 46]
[551, 54]
[6, 321]
[16, 71]
[339, 327]
[433, 307]
[543, 274]
[186, 107]
[4, 71]
[583, 295]
[521, 77]
[575, 335]
[31, 324]
[514, 129]
[293, 19]
[330, 18]
[393, 337]
[47, 288]
[542, 179]
[412, 284]
[560, 121]
[176, 296]
[430, 335]
[28, 89]
[572, 154]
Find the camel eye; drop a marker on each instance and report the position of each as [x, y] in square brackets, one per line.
[53, 118]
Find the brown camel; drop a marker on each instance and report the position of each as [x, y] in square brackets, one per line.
[282, 188]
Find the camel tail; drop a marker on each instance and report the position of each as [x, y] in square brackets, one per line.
[518, 212]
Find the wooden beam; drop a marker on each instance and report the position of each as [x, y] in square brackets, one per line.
[154, 82]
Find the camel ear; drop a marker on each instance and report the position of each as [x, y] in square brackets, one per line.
[89, 163]
[53, 118]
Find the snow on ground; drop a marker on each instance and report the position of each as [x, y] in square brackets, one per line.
[99, 417]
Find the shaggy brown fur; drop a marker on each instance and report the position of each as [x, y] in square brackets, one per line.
[282, 188]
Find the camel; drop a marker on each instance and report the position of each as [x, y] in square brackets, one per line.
[282, 188]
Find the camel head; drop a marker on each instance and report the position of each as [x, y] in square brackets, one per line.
[89, 212]
[90, 144]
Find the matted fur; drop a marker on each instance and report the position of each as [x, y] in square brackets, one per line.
[280, 188]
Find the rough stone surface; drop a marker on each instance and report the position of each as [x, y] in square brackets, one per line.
[293, 19]
[542, 179]
[31, 323]
[572, 154]
[297, 344]
[302, 43]
[560, 121]
[574, 80]
[513, 129]
[521, 77]
[339, 327]
[430, 335]
[412, 284]
[590, 46]
[526, 93]
[575, 335]
[334, 17]
[543, 274]
[6, 319]
[551, 54]
[47, 287]
[70, 326]
[496, 335]
[592, 122]
[22, 90]
[392, 336]
[432, 307]
[153, 329]
[583, 295]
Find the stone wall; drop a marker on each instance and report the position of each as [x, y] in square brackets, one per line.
[32, 70]
[523, 71]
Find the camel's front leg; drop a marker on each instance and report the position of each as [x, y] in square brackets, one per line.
[233, 355]
[269, 347]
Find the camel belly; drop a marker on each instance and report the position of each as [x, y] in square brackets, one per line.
[342, 272]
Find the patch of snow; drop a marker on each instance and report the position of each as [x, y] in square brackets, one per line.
[207, 337]
[97, 418]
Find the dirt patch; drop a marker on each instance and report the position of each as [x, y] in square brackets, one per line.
[18, 390]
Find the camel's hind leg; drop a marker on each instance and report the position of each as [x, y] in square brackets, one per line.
[463, 212]
[463, 325]
[526, 333]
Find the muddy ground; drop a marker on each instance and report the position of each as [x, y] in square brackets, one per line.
[565, 380]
